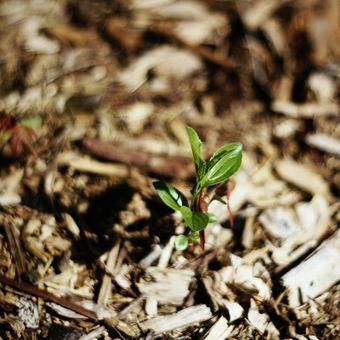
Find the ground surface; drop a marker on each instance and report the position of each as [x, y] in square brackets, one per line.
[86, 247]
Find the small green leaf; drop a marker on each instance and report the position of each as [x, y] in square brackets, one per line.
[196, 143]
[223, 164]
[212, 218]
[187, 216]
[172, 197]
[194, 235]
[33, 122]
[5, 136]
[194, 220]
[218, 198]
[181, 242]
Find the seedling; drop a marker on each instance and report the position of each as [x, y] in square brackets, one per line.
[19, 134]
[212, 182]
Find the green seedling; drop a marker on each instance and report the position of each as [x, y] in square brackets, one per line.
[212, 183]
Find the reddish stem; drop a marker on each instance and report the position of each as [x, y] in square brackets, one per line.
[201, 206]
[228, 191]
[202, 239]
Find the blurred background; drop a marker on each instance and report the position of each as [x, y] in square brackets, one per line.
[95, 96]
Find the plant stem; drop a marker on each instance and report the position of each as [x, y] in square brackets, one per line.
[199, 205]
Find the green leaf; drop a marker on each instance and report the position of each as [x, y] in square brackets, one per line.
[194, 220]
[172, 197]
[218, 198]
[212, 218]
[223, 164]
[181, 242]
[5, 136]
[194, 235]
[33, 122]
[196, 143]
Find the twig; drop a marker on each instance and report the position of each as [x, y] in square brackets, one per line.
[170, 166]
[30, 289]
[15, 248]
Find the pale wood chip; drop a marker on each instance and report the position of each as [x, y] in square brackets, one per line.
[255, 16]
[309, 110]
[316, 274]
[94, 334]
[235, 310]
[9, 187]
[170, 286]
[106, 287]
[262, 322]
[151, 257]
[184, 318]
[220, 330]
[324, 143]
[71, 225]
[86, 164]
[302, 176]
[165, 60]
[65, 312]
[151, 306]
[166, 253]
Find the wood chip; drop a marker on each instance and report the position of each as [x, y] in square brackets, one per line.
[316, 274]
[151, 306]
[261, 322]
[165, 61]
[324, 143]
[94, 334]
[302, 176]
[235, 310]
[166, 253]
[220, 330]
[9, 187]
[106, 287]
[30, 289]
[184, 318]
[259, 13]
[65, 312]
[71, 225]
[309, 110]
[86, 164]
[169, 286]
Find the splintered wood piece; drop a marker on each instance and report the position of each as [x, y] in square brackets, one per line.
[30, 289]
[220, 330]
[184, 318]
[106, 287]
[65, 312]
[316, 274]
[179, 167]
[169, 286]
[261, 322]
[15, 248]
